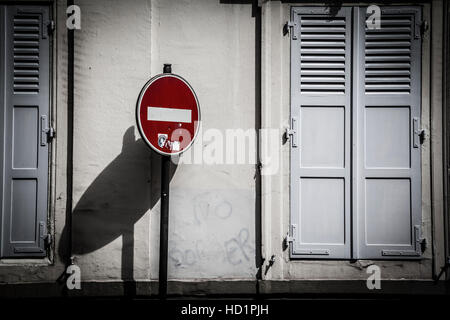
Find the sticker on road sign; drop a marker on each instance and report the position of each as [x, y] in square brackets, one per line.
[162, 140]
[168, 114]
[176, 146]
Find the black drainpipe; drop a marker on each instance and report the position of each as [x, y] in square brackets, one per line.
[70, 107]
[256, 13]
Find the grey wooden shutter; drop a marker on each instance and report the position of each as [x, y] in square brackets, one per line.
[320, 147]
[386, 113]
[24, 119]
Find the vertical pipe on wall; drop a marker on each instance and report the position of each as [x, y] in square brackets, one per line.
[436, 135]
[446, 131]
[70, 107]
[256, 13]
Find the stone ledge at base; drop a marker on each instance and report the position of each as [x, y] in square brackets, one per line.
[227, 289]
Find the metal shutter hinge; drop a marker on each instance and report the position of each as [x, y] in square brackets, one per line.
[290, 26]
[51, 27]
[420, 27]
[48, 28]
[420, 242]
[290, 238]
[259, 166]
[422, 136]
[424, 26]
[47, 132]
[51, 133]
[419, 134]
[423, 244]
[291, 133]
[47, 239]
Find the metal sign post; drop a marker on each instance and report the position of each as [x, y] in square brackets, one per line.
[164, 226]
[168, 118]
[164, 218]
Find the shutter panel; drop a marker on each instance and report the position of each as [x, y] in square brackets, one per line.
[320, 107]
[387, 201]
[25, 116]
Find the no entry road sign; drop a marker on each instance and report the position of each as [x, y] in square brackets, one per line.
[168, 114]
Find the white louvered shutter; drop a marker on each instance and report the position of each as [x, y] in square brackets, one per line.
[24, 119]
[320, 114]
[387, 196]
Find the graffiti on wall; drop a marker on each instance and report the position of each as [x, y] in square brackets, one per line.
[214, 229]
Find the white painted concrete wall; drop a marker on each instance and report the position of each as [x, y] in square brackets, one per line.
[112, 62]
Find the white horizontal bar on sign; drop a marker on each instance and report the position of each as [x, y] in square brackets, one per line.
[169, 114]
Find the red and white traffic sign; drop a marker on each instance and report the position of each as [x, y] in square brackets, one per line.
[168, 114]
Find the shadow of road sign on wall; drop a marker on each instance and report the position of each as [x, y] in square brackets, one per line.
[121, 194]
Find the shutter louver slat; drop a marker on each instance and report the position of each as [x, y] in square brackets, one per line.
[322, 54]
[26, 54]
[388, 56]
